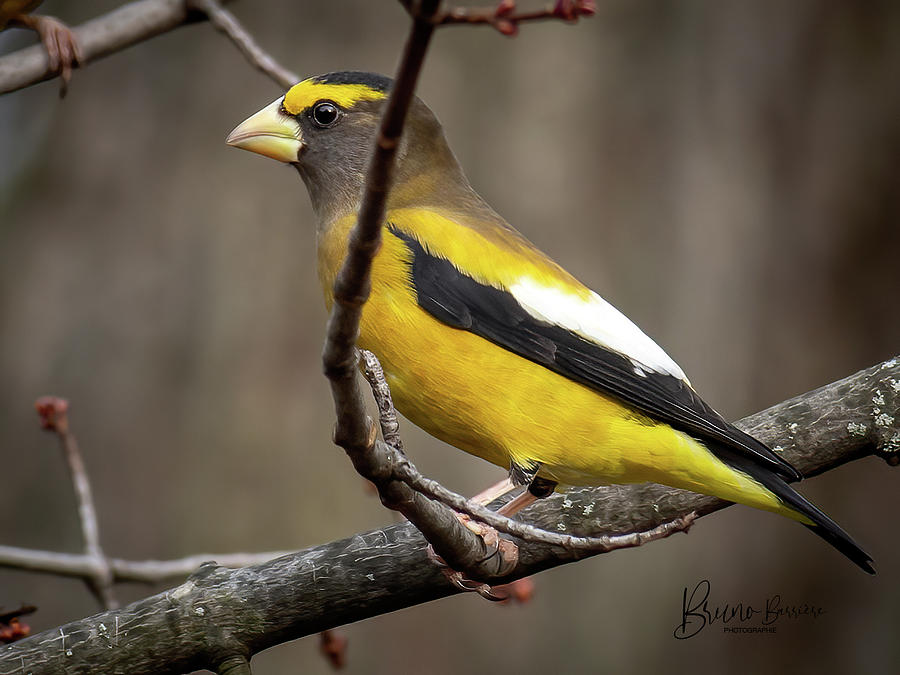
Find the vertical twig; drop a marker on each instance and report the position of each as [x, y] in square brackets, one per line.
[387, 415]
[54, 416]
[354, 430]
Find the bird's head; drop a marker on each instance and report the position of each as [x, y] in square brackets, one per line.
[325, 126]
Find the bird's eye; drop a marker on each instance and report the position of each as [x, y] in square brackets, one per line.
[324, 114]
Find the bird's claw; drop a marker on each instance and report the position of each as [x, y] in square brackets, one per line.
[467, 585]
[507, 551]
[63, 50]
[460, 581]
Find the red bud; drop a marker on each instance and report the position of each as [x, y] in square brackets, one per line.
[52, 411]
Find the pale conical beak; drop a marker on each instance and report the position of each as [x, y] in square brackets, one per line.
[269, 132]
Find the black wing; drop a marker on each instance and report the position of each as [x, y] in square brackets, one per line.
[494, 314]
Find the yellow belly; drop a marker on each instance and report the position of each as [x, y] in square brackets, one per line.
[496, 405]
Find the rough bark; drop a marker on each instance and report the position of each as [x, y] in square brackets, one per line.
[220, 615]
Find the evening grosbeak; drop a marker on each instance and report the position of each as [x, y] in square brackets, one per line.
[491, 346]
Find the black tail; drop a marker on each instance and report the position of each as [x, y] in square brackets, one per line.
[824, 526]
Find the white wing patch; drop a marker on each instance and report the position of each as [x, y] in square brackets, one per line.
[596, 320]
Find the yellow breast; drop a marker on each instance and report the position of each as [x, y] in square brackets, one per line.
[496, 405]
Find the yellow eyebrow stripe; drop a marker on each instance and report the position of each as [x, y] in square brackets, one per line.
[303, 95]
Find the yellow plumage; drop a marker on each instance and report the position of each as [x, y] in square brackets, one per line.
[491, 346]
[456, 385]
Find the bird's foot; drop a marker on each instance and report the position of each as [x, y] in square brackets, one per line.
[63, 51]
[505, 552]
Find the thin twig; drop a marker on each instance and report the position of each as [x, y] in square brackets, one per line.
[227, 23]
[354, 430]
[405, 471]
[506, 20]
[387, 414]
[82, 566]
[351, 289]
[104, 35]
[98, 571]
[153, 571]
[24, 610]
[54, 414]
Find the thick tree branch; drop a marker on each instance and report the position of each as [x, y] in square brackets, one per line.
[99, 37]
[254, 608]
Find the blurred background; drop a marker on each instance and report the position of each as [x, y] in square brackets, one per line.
[725, 172]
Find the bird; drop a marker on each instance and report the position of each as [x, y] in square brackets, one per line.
[63, 51]
[491, 346]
